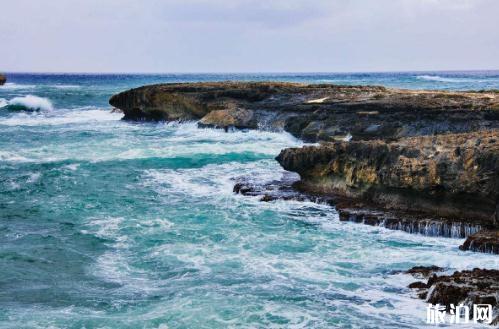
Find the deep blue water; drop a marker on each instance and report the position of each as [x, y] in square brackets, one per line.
[110, 224]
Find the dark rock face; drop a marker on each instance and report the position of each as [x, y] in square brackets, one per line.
[314, 112]
[483, 241]
[478, 286]
[281, 189]
[408, 222]
[454, 176]
[3, 79]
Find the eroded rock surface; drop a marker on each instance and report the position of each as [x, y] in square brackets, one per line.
[317, 111]
[453, 176]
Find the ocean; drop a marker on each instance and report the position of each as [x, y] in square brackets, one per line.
[113, 224]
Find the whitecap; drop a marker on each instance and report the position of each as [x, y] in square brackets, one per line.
[31, 102]
[438, 78]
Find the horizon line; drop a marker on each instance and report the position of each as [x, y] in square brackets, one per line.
[247, 72]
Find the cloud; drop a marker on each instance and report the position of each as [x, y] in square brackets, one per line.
[248, 35]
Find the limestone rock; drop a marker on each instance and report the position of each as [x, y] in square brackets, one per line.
[232, 117]
[451, 176]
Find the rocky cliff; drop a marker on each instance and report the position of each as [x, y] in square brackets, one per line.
[453, 176]
[314, 112]
[3, 79]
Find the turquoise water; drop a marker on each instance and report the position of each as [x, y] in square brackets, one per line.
[110, 224]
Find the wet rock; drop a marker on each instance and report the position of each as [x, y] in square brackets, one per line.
[424, 271]
[478, 286]
[418, 285]
[424, 176]
[404, 221]
[483, 241]
[3, 79]
[281, 189]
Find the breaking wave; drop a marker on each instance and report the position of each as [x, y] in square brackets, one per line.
[29, 103]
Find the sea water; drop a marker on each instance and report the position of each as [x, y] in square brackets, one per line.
[113, 224]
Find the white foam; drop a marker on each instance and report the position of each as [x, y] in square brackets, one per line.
[32, 102]
[15, 86]
[3, 102]
[444, 79]
[317, 101]
[62, 118]
[11, 157]
[66, 86]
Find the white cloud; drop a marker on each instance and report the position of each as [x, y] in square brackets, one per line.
[248, 35]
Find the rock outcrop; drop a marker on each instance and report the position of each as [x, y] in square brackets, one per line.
[454, 176]
[315, 112]
[483, 241]
[478, 286]
[421, 161]
[3, 79]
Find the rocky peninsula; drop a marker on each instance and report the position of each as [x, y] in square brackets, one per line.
[421, 161]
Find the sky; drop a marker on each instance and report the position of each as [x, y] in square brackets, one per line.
[163, 36]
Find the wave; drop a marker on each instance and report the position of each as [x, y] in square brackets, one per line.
[29, 103]
[14, 86]
[12, 157]
[67, 117]
[65, 86]
[444, 79]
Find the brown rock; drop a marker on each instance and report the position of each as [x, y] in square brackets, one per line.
[483, 241]
[478, 286]
[232, 117]
[422, 175]
[317, 111]
[424, 271]
[3, 79]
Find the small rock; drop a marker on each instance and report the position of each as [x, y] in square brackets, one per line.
[424, 271]
[232, 117]
[418, 285]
